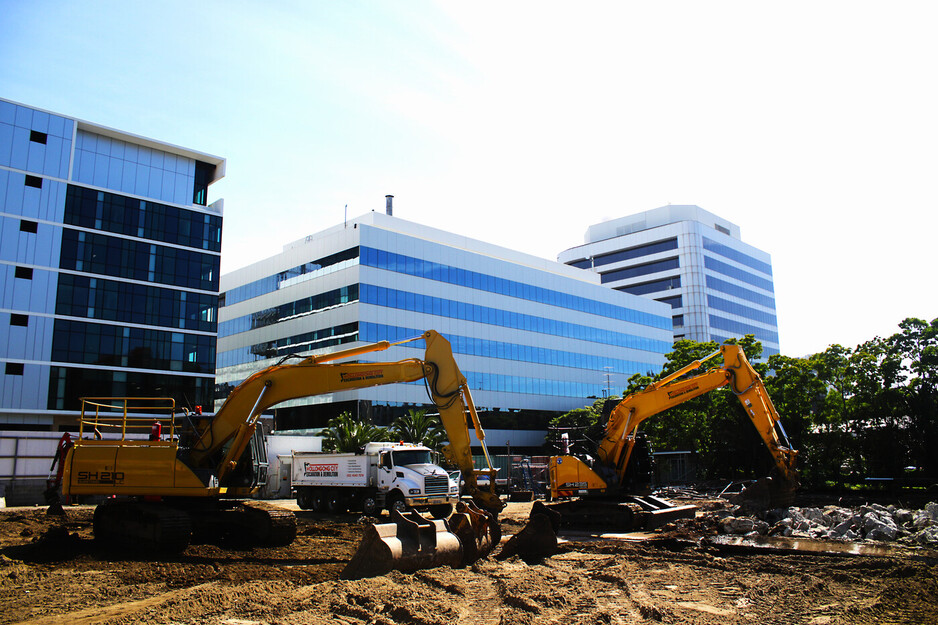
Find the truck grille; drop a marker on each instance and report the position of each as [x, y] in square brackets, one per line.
[436, 485]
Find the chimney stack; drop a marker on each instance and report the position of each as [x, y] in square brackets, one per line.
[389, 207]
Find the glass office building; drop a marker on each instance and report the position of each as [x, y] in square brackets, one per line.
[692, 260]
[109, 268]
[532, 336]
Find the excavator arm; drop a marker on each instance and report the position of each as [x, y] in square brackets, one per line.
[615, 450]
[230, 431]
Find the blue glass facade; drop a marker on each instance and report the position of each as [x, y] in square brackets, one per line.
[108, 267]
[449, 274]
[527, 333]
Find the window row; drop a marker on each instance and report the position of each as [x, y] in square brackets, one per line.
[743, 311]
[633, 252]
[741, 258]
[373, 332]
[306, 306]
[735, 272]
[640, 270]
[308, 341]
[136, 260]
[741, 292]
[382, 259]
[68, 385]
[665, 284]
[532, 386]
[675, 302]
[416, 302]
[100, 210]
[109, 300]
[269, 284]
[742, 329]
[137, 348]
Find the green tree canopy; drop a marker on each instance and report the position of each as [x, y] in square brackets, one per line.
[420, 428]
[344, 434]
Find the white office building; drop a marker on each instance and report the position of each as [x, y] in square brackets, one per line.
[717, 286]
[533, 337]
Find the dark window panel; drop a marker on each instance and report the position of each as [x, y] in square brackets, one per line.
[25, 273]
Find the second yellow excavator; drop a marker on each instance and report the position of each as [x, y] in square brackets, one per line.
[608, 476]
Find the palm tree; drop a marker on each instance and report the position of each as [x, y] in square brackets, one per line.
[343, 434]
[420, 428]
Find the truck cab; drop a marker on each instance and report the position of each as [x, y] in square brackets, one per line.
[409, 478]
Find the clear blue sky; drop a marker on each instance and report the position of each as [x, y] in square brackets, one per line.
[812, 125]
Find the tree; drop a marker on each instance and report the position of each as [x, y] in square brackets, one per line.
[344, 434]
[420, 428]
[916, 348]
[584, 427]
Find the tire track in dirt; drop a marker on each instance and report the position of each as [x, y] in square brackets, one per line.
[117, 611]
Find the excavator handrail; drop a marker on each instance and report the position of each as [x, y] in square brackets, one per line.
[120, 413]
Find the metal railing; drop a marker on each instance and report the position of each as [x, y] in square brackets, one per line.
[125, 416]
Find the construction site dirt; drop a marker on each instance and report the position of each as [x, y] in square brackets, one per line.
[52, 571]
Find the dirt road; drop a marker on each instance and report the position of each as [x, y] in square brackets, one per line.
[52, 572]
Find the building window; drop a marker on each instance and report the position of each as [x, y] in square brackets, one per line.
[34, 181]
[37, 137]
[677, 321]
[26, 273]
[633, 252]
[675, 302]
[14, 368]
[720, 228]
[19, 320]
[640, 270]
[203, 177]
[29, 226]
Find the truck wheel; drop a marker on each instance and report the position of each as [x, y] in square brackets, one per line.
[304, 499]
[369, 505]
[318, 501]
[441, 511]
[396, 502]
[335, 503]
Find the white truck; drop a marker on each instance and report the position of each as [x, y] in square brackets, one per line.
[396, 476]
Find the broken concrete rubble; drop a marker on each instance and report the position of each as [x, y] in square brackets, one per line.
[870, 522]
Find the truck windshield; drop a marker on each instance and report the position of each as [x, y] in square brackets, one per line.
[412, 456]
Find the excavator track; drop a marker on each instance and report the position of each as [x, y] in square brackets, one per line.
[141, 525]
[249, 522]
[633, 514]
[270, 525]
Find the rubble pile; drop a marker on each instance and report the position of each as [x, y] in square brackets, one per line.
[869, 522]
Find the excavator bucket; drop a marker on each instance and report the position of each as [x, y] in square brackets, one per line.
[408, 543]
[768, 492]
[477, 530]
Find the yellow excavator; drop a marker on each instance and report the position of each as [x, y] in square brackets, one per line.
[611, 475]
[193, 474]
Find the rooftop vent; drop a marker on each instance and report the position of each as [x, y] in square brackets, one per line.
[389, 208]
